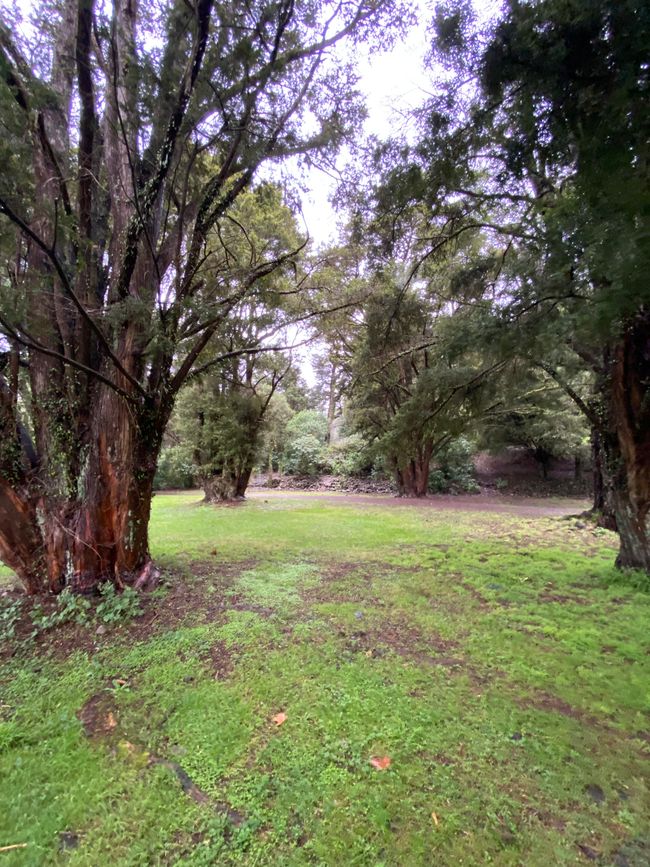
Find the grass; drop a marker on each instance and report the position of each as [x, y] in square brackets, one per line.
[501, 664]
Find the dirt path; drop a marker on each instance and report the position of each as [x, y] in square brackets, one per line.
[524, 507]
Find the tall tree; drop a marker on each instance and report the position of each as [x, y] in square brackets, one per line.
[546, 149]
[222, 419]
[135, 128]
[420, 379]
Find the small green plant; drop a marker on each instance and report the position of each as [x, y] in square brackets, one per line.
[501, 484]
[70, 608]
[9, 616]
[454, 470]
[117, 607]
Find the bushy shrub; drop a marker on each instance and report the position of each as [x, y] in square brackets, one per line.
[348, 456]
[117, 607]
[308, 422]
[303, 455]
[175, 469]
[454, 469]
[304, 448]
[70, 608]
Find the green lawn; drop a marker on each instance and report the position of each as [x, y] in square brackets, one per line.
[500, 663]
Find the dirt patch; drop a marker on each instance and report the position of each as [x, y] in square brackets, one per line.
[98, 716]
[403, 639]
[197, 594]
[220, 660]
[475, 594]
[563, 599]
[545, 701]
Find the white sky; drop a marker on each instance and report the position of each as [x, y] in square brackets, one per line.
[393, 83]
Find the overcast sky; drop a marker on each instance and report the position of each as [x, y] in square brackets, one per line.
[393, 83]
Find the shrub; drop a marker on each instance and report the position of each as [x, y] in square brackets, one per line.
[117, 607]
[303, 455]
[175, 468]
[454, 470]
[349, 456]
[304, 450]
[10, 610]
[70, 608]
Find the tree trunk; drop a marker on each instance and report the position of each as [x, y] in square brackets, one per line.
[602, 498]
[94, 528]
[413, 477]
[226, 485]
[331, 405]
[627, 445]
[577, 468]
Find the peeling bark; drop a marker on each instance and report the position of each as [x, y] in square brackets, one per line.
[627, 443]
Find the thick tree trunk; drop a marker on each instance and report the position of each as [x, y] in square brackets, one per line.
[627, 445]
[413, 477]
[97, 530]
[226, 485]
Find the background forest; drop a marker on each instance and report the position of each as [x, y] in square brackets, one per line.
[486, 289]
[416, 659]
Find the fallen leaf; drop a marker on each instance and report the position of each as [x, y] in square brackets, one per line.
[380, 762]
[111, 722]
[436, 820]
[279, 718]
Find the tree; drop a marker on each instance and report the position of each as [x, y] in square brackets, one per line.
[573, 79]
[546, 150]
[542, 418]
[420, 379]
[221, 415]
[222, 419]
[133, 130]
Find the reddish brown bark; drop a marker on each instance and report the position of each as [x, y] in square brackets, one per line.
[52, 541]
[413, 476]
[627, 445]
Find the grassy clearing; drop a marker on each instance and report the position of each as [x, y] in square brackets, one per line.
[501, 663]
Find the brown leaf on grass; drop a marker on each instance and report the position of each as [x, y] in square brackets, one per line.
[436, 820]
[380, 762]
[279, 718]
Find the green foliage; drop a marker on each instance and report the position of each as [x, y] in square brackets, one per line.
[543, 419]
[454, 469]
[117, 607]
[175, 468]
[68, 608]
[308, 422]
[10, 612]
[349, 456]
[304, 450]
[303, 455]
[423, 376]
